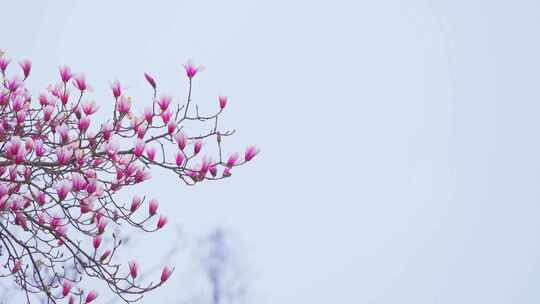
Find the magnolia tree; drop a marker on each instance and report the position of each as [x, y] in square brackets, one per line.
[61, 172]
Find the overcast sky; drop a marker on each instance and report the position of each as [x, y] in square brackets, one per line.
[400, 139]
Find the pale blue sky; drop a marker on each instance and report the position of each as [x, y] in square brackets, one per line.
[400, 157]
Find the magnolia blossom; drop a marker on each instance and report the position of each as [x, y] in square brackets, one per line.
[124, 104]
[197, 147]
[66, 287]
[166, 116]
[148, 114]
[89, 107]
[222, 102]
[161, 222]
[231, 161]
[151, 153]
[164, 102]
[26, 66]
[150, 80]
[97, 241]
[116, 89]
[181, 140]
[133, 269]
[191, 70]
[63, 188]
[139, 148]
[152, 207]
[180, 158]
[4, 62]
[79, 81]
[65, 73]
[165, 274]
[92, 295]
[135, 203]
[250, 153]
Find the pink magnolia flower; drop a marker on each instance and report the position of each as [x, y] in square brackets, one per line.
[47, 112]
[213, 170]
[80, 157]
[63, 188]
[21, 116]
[141, 133]
[63, 155]
[91, 187]
[133, 269]
[97, 241]
[39, 149]
[13, 83]
[191, 70]
[181, 140]
[205, 166]
[164, 102]
[153, 207]
[78, 181]
[232, 159]
[161, 222]
[84, 123]
[166, 116]
[87, 205]
[92, 295]
[148, 114]
[29, 144]
[102, 224]
[112, 148]
[41, 198]
[222, 102]
[4, 62]
[197, 147]
[43, 100]
[64, 97]
[26, 66]
[107, 129]
[171, 127]
[13, 147]
[124, 104]
[131, 169]
[17, 103]
[139, 148]
[79, 81]
[66, 287]
[135, 203]
[165, 274]
[63, 131]
[89, 107]
[227, 172]
[151, 153]
[16, 204]
[142, 175]
[65, 73]
[116, 89]
[13, 173]
[55, 221]
[180, 158]
[150, 80]
[250, 153]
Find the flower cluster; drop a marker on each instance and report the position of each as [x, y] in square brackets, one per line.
[60, 172]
